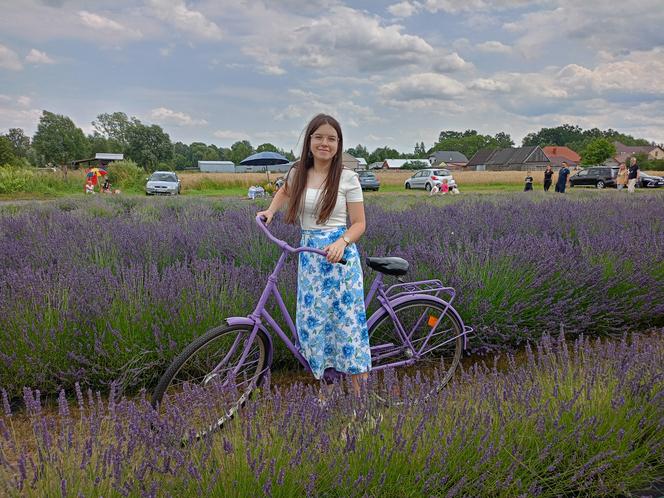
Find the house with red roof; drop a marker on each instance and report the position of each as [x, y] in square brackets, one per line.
[558, 153]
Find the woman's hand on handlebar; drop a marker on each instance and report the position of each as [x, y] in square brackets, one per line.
[267, 214]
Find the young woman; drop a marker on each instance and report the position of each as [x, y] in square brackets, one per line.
[548, 177]
[320, 195]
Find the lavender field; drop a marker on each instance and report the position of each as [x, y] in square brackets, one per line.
[570, 419]
[100, 290]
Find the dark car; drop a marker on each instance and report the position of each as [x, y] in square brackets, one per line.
[595, 176]
[368, 180]
[649, 181]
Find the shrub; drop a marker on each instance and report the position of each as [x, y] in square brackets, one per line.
[126, 175]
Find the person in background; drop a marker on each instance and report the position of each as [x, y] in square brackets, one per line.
[621, 177]
[632, 175]
[89, 187]
[563, 173]
[528, 187]
[548, 177]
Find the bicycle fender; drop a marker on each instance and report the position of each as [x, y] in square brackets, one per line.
[378, 314]
[243, 320]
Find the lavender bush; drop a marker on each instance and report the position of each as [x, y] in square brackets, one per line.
[568, 419]
[100, 289]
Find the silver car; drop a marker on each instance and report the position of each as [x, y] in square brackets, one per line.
[427, 178]
[162, 182]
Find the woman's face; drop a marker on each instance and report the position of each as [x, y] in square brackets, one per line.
[324, 143]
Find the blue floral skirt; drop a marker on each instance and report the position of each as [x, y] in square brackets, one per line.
[331, 319]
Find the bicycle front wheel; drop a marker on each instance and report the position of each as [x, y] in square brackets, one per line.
[208, 378]
[435, 334]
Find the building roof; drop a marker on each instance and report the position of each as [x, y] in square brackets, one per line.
[633, 149]
[109, 156]
[480, 157]
[449, 156]
[398, 163]
[557, 161]
[217, 162]
[508, 155]
[561, 151]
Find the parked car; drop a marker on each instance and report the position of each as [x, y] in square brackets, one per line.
[649, 181]
[162, 182]
[427, 178]
[368, 180]
[595, 176]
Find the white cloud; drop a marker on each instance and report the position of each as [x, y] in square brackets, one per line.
[37, 57]
[231, 135]
[494, 46]
[490, 85]
[15, 112]
[24, 101]
[9, 59]
[272, 70]
[168, 116]
[457, 6]
[404, 9]
[423, 86]
[451, 63]
[99, 23]
[189, 21]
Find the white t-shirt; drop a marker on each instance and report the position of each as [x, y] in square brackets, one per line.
[349, 191]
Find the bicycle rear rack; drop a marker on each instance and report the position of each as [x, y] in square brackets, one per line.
[434, 287]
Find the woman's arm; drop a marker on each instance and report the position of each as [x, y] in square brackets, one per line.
[357, 227]
[278, 201]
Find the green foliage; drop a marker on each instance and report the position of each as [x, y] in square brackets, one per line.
[268, 147]
[58, 140]
[148, 145]
[6, 151]
[240, 150]
[382, 153]
[14, 180]
[598, 151]
[126, 175]
[576, 138]
[359, 151]
[114, 127]
[469, 141]
[649, 164]
[20, 142]
[415, 164]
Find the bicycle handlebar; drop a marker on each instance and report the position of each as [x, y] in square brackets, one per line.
[260, 221]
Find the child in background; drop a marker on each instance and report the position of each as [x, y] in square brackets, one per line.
[529, 183]
[89, 187]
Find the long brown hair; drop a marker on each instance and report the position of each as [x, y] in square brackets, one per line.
[297, 179]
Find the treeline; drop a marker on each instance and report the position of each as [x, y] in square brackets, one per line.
[59, 141]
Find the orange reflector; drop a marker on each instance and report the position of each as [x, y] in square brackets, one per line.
[433, 320]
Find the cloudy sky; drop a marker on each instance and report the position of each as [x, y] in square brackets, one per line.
[393, 73]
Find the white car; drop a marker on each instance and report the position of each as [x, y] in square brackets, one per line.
[162, 182]
[427, 178]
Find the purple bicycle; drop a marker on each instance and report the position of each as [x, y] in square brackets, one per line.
[414, 323]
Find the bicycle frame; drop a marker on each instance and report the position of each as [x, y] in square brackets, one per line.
[403, 292]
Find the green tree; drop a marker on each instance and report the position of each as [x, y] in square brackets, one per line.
[268, 147]
[359, 151]
[420, 151]
[503, 140]
[20, 142]
[468, 142]
[560, 135]
[382, 153]
[100, 143]
[6, 151]
[241, 150]
[58, 140]
[148, 146]
[115, 126]
[597, 151]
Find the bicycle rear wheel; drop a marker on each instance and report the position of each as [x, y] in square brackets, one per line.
[209, 380]
[435, 334]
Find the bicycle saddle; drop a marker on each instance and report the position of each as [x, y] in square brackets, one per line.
[388, 265]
